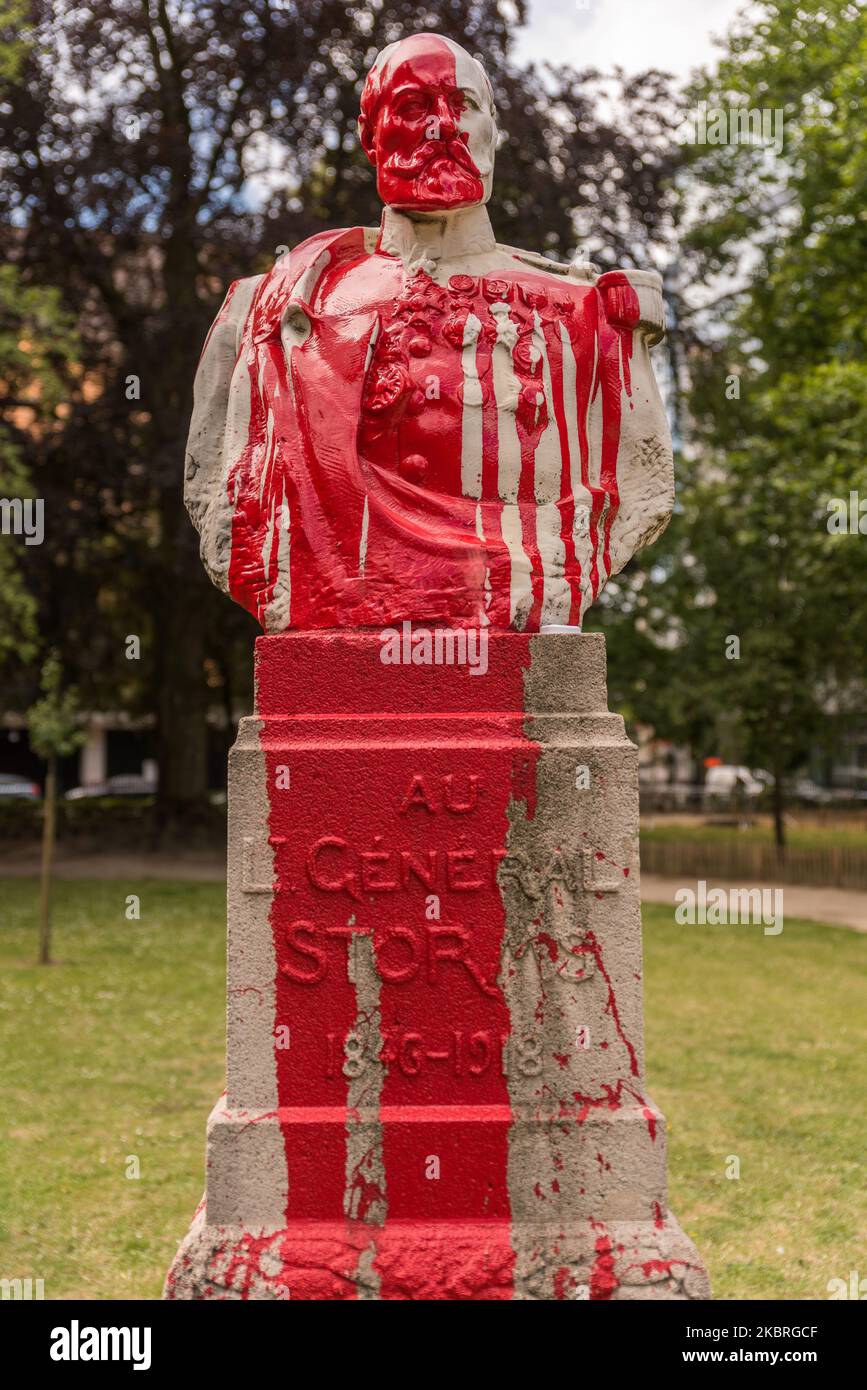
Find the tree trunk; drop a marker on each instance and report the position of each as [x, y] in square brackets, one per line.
[48, 823]
[779, 815]
[181, 588]
[182, 694]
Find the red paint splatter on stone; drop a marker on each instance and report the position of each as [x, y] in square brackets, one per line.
[603, 1281]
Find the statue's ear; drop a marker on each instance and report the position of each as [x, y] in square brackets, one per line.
[366, 136]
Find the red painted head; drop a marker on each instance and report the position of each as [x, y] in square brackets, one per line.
[428, 125]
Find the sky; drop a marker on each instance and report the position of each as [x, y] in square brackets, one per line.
[675, 35]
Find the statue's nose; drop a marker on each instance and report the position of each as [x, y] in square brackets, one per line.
[445, 117]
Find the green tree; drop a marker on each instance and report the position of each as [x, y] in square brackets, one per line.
[778, 412]
[37, 343]
[53, 726]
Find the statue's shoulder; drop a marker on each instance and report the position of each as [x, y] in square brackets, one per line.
[240, 296]
[583, 271]
[632, 298]
[295, 275]
[324, 250]
[224, 335]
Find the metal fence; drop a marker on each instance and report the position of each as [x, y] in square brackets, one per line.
[825, 868]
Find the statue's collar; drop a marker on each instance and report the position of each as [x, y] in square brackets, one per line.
[467, 232]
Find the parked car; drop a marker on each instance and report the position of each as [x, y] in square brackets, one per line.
[805, 789]
[126, 784]
[13, 785]
[728, 780]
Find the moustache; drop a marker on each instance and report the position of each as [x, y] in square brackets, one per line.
[455, 151]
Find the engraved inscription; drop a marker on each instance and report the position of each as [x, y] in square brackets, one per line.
[460, 1053]
[548, 910]
[257, 874]
[426, 953]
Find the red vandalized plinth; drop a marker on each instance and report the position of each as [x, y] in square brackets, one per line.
[435, 1073]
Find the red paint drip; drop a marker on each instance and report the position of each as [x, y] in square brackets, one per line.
[603, 1281]
[611, 1006]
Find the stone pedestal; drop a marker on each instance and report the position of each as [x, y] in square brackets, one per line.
[435, 1077]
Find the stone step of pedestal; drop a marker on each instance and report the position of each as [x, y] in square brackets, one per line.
[261, 1164]
[446, 1260]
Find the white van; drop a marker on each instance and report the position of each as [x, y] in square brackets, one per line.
[727, 780]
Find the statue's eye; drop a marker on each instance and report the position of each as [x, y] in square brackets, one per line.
[412, 108]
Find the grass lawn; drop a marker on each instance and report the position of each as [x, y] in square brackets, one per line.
[804, 834]
[755, 1045]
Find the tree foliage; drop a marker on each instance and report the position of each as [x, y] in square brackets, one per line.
[778, 402]
[53, 721]
[37, 344]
